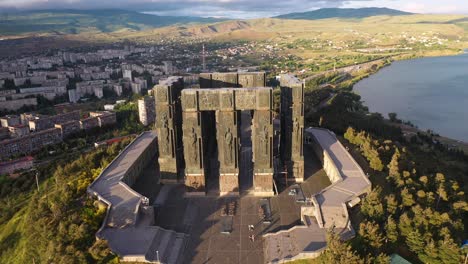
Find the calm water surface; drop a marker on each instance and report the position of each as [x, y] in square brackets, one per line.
[432, 93]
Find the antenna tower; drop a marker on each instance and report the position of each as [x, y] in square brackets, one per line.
[203, 58]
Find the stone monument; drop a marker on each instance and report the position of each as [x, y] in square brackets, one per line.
[168, 127]
[292, 126]
[227, 102]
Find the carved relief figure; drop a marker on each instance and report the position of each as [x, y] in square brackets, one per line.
[194, 147]
[296, 128]
[228, 100]
[190, 101]
[264, 140]
[228, 138]
[164, 131]
[297, 135]
[206, 101]
[162, 94]
[250, 100]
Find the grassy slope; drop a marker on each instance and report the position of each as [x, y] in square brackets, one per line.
[79, 21]
[340, 29]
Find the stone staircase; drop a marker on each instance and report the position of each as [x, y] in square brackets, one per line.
[168, 245]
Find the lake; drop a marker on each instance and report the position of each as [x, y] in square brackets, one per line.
[432, 93]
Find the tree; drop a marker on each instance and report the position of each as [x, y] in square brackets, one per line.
[371, 234]
[338, 252]
[393, 166]
[372, 206]
[100, 249]
[442, 194]
[392, 117]
[424, 180]
[391, 230]
[381, 259]
[392, 203]
[405, 224]
[440, 178]
[415, 241]
[407, 197]
[460, 206]
[449, 252]
[349, 135]
[372, 155]
[430, 253]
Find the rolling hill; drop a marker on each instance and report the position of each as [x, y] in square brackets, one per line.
[344, 13]
[78, 21]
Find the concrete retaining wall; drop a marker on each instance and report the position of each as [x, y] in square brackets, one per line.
[136, 168]
[328, 165]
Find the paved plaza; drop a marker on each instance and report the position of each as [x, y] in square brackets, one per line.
[206, 219]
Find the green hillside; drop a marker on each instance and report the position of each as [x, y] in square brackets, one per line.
[344, 13]
[78, 21]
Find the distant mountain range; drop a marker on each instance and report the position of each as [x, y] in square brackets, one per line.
[111, 20]
[77, 21]
[344, 13]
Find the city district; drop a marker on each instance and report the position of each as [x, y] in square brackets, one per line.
[220, 179]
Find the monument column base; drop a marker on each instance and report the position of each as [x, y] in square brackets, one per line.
[263, 184]
[296, 171]
[195, 185]
[229, 184]
[168, 171]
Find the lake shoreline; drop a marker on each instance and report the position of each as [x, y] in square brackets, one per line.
[450, 142]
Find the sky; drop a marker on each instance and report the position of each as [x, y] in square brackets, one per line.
[238, 8]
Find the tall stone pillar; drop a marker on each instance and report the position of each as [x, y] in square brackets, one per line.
[262, 139]
[167, 126]
[292, 126]
[228, 137]
[193, 144]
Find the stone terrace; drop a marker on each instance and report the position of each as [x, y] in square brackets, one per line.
[328, 207]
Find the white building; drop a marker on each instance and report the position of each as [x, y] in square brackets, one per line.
[142, 81]
[73, 96]
[168, 67]
[136, 88]
[127, 74]
[98, 92]
[118, 89]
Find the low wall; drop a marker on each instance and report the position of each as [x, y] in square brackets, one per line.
[131, 176]
[134, 258]
[328, 165]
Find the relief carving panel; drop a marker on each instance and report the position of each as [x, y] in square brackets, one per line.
[245, 99]
[208, 100]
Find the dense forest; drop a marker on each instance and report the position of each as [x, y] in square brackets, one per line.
[58, 222]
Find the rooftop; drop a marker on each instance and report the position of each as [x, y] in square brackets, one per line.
[354, 181]
[109, 184]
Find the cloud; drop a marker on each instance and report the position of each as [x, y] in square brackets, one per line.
[235, 8]
[220, 8]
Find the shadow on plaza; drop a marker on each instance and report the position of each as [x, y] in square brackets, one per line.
[203, 220]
